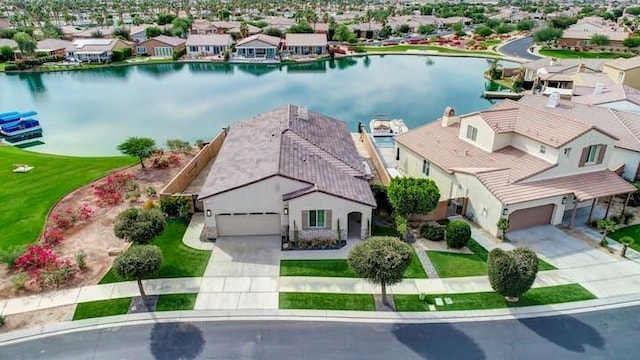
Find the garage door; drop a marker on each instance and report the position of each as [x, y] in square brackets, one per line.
[526, 218]
[248, 224]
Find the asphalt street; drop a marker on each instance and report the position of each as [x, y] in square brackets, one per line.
[607, 334]
[518, 48]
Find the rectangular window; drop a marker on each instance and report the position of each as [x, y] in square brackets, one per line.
[592, 155]
[620, 76]
[425, 167]
[472, 133]
[207, 49]
[567, 152]
[141, 50]
[316, 218]
[193, 48]
[543, 149]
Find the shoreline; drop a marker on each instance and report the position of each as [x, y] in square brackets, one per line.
[284, 63]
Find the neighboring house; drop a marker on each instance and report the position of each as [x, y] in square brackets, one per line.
[557, 73]
[284, 172]
[281, 23]
[619, 97]
[162, 45]
[207, 45]
[320, 28]
[54, 47]
[361, 29]
[95, 50]
[624, 71]
[306, 44]
[580, 34]
[8, 42]
[258, 47]
[624, 125]
[139, 32]
[513, 161]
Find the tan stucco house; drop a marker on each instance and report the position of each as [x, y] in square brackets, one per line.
[288, 170]
[306, 44]
[513, 161]
[624, 71]
[208, 45]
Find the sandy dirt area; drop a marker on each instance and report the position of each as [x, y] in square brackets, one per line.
[38, 318]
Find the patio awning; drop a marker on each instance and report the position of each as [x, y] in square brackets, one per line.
[89, 52]
[587, 186]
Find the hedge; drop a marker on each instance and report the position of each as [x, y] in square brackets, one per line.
[458, 234]
[432, 232]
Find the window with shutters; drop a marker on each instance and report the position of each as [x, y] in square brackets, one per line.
[592, 154]
[316, 219]
[472, 133]
[425, 167]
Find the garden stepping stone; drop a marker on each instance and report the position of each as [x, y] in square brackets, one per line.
[138, 306]
[432, 307]
[439, 302]
[448, 301]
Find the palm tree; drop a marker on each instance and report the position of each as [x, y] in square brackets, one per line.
[626, 241]
[607, 226]
[381, 17]
[244, 29]
[368, 16]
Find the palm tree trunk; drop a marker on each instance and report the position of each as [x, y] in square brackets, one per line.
[142, 162]
[384, 294]
[142, 293]
[624, 251]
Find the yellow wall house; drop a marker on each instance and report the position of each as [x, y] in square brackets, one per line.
[624, 71]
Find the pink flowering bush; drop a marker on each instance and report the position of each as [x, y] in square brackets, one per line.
[44, 267]
[110, 192]
[52, 237]
[68, 217]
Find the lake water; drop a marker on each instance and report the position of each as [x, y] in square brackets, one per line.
[90, 112]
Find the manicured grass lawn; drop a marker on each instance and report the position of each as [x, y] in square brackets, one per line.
[459, 265]
[572, 54]
[27, 197]
[441, 49]
[491, 300]
[339, 268]
[174, 302]
[322, 301]
[101, 308]
[179, 260]
[2, 66]
[633, 231]
[488, 43]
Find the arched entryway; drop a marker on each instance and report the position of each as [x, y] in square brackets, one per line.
[355, 224]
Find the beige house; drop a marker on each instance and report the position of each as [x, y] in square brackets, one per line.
[306, 44]
[624, 71]
[513, 161]
[208, 45]
[55, 47]
[284, 171]
[95, 50]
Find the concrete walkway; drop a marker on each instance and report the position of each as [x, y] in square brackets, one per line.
[191, 237]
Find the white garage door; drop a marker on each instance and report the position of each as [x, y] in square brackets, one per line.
[248, 224]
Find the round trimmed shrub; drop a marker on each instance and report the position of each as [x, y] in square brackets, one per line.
[432, 232]
[512, 273]
[458, 234]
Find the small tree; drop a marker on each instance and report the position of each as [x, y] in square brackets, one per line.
[153, 31]
[599, 40]
[504, 226]
[272, 31]
[631, 42]
[6, 53]
[142, 148]
[123, 33]
[458, 234]
[547, 36]
[139, 225]
[626, 241]
[426, 29]
[483, 31]
[26, 44]
[512, 273]
[607, 226]
[410, 196]
[381, 260]
[139, 262]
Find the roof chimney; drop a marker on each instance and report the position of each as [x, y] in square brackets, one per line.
[303, 113]
[581, 67]
[554, 99]
[448, 117]
[552, 61]
[598, 89]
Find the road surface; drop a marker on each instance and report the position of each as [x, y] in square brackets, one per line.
[518, 48]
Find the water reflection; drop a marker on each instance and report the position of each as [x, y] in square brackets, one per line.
[211, 67]
[160, 70]
[34, 84]
[346, 62]
[317, 67]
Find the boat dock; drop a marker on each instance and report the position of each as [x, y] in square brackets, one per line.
[501, 95]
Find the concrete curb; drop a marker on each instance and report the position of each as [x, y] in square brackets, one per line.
[321, 315]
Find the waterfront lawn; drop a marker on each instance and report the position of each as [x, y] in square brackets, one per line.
[326, 301]
[178, 259]
[339, 268]
[633, 231]
[176, 302]
[459, 265]
[572, 54]
[2, 66]
[101, 308]
[491, 300]
[26, 198]
[440, 49]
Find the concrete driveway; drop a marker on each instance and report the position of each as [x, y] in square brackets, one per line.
[561, 249]
[243, 273]
[603, 274]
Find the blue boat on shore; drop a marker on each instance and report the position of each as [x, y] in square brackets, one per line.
[14, 116]
[20, 127]
[17, 127]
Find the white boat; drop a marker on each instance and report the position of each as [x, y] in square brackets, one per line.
[381, 125]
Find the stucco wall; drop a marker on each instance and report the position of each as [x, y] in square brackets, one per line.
[630, 159]
[568, 165]
[411, 164]
[485, 136]
[340, 209]
[482, 206]
[532, 147]
[632, 78]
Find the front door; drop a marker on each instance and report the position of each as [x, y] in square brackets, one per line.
[355, 225]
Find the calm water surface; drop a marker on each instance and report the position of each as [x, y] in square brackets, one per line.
[90, 112]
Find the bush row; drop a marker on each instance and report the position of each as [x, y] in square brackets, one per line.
[457, 233]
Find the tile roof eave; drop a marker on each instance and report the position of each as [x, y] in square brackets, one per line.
[314, 190]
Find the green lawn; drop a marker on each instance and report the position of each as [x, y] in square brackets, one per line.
[491, 300]
[459, 265]
[633, 231]
[179, 260]
[174, 302]
[488, 43]
[26, 198]
[101, 308]
[572, 54]
[441, 49]
[339, 268]
[322, 301]
[2, 66]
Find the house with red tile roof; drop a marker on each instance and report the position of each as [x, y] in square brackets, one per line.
[288, 172]
[514, 161]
